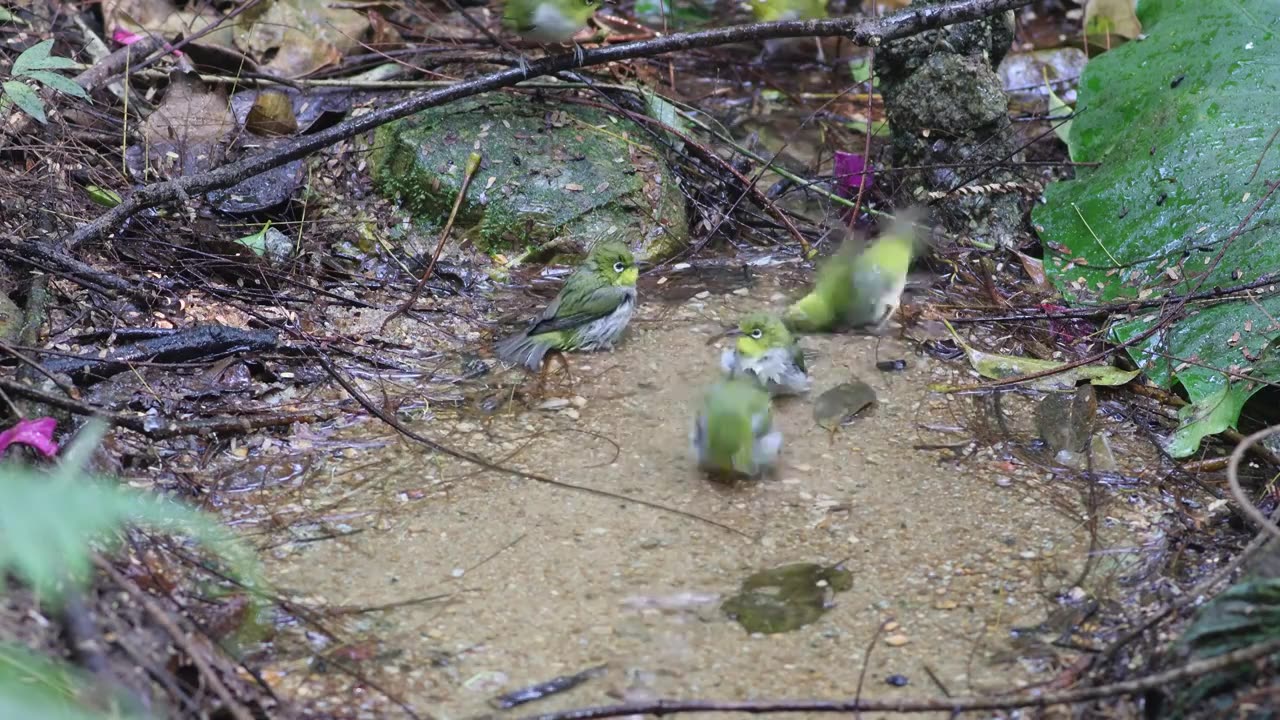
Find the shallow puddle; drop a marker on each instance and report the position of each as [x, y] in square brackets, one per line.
[948, 552]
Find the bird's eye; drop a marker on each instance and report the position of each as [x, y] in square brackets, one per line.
[757, 333]
[619, 267]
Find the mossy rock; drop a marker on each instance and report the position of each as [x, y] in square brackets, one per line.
[548, 172]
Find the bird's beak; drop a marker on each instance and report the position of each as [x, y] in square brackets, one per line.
[731, 332]
[643, 265]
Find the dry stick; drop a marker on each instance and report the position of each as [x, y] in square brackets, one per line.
[1195, 669]
[473, 164]
[477, 460]
[180, 639]
[859, 32]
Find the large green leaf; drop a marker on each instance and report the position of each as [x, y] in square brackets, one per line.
[1181, 124]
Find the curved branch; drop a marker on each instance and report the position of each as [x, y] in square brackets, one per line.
[867, 32]
[1233, 479]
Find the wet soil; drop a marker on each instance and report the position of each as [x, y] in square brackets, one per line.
[949, 551]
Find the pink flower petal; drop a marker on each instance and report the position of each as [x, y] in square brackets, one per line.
[852, 172]
[128, 37]
[37, 434]
[125, 37]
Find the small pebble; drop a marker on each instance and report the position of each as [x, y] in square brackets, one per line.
[891, 626]
[571, 413]
[553, 404]
[897, 640]
[578, 401]
[804, 468]
[891, 365]
[946, 605]
[1003, 482]
[703, 295]
[897, 680]
[741, 291]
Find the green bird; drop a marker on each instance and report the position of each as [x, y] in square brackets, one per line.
[859, 289]
[734, 435]
[766, 353]
[590, 313]
[549, 21]
[779, 10]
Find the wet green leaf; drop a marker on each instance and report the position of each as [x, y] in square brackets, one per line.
[62, 84]
[25, 98]
[1208, 416]
[787, 597]
[102, 196]
[998, 367]
[860, 69]
[1174, 123]
[1059, 116]
[257, 242]
[37, 57]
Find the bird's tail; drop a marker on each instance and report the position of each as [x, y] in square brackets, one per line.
[522, 349]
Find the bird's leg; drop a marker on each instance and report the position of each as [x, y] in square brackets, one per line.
[889, 309]
[579, 57]
[524, 66]
[562, 359]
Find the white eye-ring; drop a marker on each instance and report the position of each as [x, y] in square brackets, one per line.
[619, 267]
[757, 333]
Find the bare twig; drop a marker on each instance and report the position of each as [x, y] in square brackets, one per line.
[473, 164]
[179, 638]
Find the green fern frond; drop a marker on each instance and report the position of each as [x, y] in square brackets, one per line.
[35, 687]
[50, 521]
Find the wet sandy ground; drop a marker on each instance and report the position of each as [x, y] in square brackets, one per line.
[544, 581]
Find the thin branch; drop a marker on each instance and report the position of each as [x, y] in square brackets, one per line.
[1233, 479]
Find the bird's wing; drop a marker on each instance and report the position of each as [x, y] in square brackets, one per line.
[797, 356]
[573, 310]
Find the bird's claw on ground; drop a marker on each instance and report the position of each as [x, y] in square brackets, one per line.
[563, 361]
[524, 66]
[579, 56]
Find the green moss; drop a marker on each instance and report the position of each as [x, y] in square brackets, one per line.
[547, 171]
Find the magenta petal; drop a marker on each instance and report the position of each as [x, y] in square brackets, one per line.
[852, 172]
[125, 37]
[36, 433]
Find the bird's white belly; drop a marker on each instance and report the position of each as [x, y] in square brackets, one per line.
[603, 333]
[552, 26]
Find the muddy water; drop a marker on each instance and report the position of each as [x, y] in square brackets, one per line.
[951, 552]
